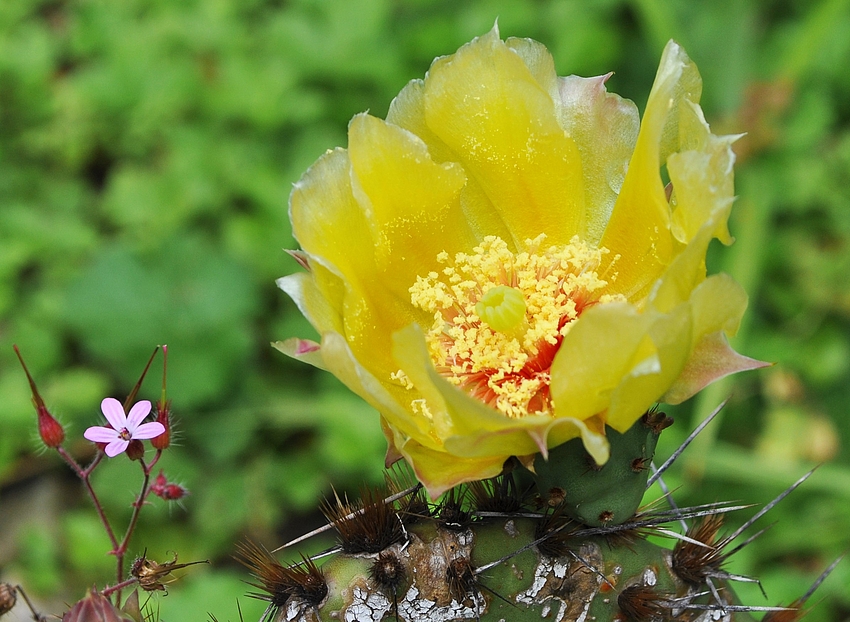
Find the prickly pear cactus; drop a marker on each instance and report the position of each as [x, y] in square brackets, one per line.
[564, 543]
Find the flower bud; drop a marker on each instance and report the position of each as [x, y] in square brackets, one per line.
[94, 607]
[174, 492]
[159, 484]
[8, 598]
[169, 491]
[135, 450]
[51, 431]
[163, 416]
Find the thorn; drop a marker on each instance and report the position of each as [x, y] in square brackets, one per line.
[748, 540]
[768, 507]
[652, 479]
[330, 526]
[667, 494]
[819, 580]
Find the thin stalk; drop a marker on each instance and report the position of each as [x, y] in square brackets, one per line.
[121, 550]
[85, 477]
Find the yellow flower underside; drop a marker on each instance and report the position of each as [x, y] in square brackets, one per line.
[507, 368]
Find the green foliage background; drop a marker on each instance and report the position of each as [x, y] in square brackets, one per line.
[147, 149]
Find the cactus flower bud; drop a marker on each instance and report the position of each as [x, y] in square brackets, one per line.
[49, 429]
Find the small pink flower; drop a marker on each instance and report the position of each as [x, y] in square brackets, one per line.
[124, 427]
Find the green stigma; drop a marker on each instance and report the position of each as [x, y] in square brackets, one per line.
[502, 308]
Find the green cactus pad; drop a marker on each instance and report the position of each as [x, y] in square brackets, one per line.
[601, 495]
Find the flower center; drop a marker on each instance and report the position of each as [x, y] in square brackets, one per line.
[502, 308]
[124, 434]
[500, 316]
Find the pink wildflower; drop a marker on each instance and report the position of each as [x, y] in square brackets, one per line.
[124, 427]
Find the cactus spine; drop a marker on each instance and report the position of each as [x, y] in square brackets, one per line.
[574, 549]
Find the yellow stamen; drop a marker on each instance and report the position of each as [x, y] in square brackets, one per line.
[499, 316]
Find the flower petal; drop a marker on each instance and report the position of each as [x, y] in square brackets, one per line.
[413, 204]
[116, 447]
[304, 350]
[641, 387]
[114, 412]
[605, 128]
[712, 359]
[152, 429]
[487, 107]
[439, 472]
[392, 401]
[407, 110]
[322, 306]
[639, 229]
[99, 434]
[702, 177]
[332, 229]
[138, 412]
[607, 343]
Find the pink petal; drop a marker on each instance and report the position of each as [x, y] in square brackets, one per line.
[149, 430]
[116, 447]
[139, 411]
[114, 412]
[99, 434]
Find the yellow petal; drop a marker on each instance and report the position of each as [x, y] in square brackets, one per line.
[718, 304]
[607, 343]
[334, 232]
[702, 177]
[539, 61]
[391, 401]
[641, 387]
[412, 205]
[487, 107]
[322, 306]
[325, 216]
[639, 230]
[439, 471]
[407, 110]
[605, 128]
[303, 350]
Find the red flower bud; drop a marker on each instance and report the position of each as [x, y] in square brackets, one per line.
[135, 450]
[166, 490]
[174, 492]
[51, 431]
[163, 416]
[159, 484]
[94, 607]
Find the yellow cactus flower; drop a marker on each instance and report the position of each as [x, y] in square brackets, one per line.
[498, 267]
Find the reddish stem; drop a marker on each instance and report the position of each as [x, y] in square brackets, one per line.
[85, 477]
[121, 549]
[118, 586]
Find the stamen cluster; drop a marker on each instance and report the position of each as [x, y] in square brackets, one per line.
[507, 363]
